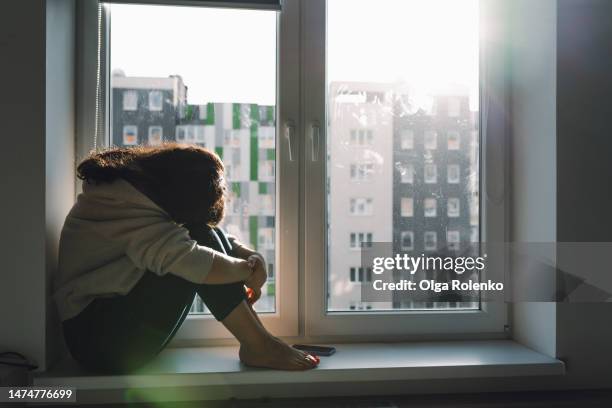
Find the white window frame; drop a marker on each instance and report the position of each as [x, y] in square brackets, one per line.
[491, 318]
[430, 173]
[453, 133]
[202, 329]
[452, 180]
[451, 213]
[407, 176]
[134, 130]
[152, 129]
[301, 144]
[127, 103]
[430, 139]
[152, 106]
[407, 139]
[430, 211]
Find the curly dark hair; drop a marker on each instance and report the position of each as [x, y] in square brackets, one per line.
[184, 180]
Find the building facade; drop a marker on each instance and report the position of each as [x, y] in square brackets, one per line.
[398, 175]
[435, 184]
[150, 111]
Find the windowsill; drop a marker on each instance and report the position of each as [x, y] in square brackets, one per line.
[355, 363]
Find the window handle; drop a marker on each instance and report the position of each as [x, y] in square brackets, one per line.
[289, 135]
[315, 140]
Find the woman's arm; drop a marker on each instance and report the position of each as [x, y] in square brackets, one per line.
[258, 264]
[241, 251]
[227, 269]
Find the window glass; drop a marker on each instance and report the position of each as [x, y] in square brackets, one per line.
[130, 100]
[156, 100]
[155, 135]
[454, 140]
[431, 173]
[431, 207]
[431, 140]
[214, 97]
[407, 209]
[407, 240]
[453, 207]
[453, 173]
[407, 173]
[407, 139]
[130, 135]
[391, 69]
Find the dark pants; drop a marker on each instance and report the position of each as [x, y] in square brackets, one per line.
[122, 333]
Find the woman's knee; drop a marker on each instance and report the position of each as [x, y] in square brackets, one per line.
[206, 236]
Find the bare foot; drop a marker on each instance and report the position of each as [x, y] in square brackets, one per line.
[273, 353]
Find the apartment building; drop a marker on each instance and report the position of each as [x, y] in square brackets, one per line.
[360, 183]
[153, 110]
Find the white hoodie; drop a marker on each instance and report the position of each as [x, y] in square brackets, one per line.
[112, 235]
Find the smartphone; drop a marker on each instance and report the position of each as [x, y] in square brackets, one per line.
[324, 351]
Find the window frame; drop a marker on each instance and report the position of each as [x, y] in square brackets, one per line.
[491, 318]
[95, 118]
[301, 178]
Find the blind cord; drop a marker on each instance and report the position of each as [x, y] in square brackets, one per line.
[98, 78]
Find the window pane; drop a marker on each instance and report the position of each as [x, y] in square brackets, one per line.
[230, 107]
[406, 71]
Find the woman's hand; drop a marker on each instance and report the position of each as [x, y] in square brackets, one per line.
[257, 279]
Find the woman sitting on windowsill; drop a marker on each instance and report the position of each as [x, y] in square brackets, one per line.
[137, 246]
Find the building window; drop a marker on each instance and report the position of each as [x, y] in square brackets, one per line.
[453, 173]
[266, 137]
[361, 137]
[407, 240]
[361, 239]
[267, 170]
[431, 173]
[361, 206]
[362, 171]
[130, 135]
[407, 174]
[453, 240]
[265, 239]
[431, 140]
[156, 101]
[407, 139]
[430, 240]
[453, 207]
[454, 107]
[454, 140]
[155, 135]
[130, 100]
[360, 274]
[200, 135]
[407, 207]
[180, 134]
[431, 207]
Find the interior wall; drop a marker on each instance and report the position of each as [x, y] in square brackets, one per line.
[584, 173]
[22, 164]
[532, 47]
[60, 145]
[37, 167]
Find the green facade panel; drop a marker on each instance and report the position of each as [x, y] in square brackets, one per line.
[236, 111]
[254, 153]
[253, 228]
[210, 114]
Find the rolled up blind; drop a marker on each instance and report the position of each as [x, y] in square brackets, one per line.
[248, 4]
